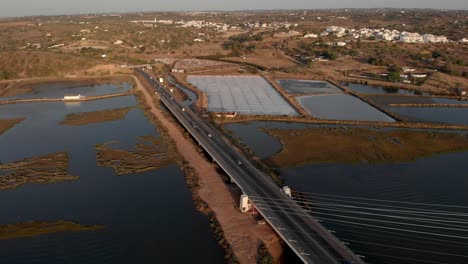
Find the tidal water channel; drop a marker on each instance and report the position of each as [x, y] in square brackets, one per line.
[437, 179]
[148, 217]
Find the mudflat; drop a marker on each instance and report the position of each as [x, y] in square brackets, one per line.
[43, 169]
[36, 228]
[360, 145]
[149, 154]
[15, 91]
[6, 124]
[81, 119]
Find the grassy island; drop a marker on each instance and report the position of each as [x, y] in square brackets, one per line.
[149, 153]
[44, 169]
[356, 145]
[36, 228]
[80, 119]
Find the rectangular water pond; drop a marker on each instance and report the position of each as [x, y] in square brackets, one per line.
[447, 115]
[342, 107]
[242, 94]
[60, 89]
[307, 86]
[395, 99]
[368, 89]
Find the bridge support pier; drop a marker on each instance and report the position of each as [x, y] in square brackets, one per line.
[287, 191]
[244, 204]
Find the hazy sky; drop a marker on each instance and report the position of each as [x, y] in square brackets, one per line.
[10, 8]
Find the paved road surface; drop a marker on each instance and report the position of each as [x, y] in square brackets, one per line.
[312, 242]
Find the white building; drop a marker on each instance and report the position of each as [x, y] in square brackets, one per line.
[418, 75]
[434, 39]
[291, 33]
[408, 37]
[57, 46]
[331, 29]
[72, 97]
[311, 35]
[408, 69]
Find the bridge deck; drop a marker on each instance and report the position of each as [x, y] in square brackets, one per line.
[312, 242]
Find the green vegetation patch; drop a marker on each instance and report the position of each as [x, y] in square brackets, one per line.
[19, 64]
[150, 153]
[80, 119]
[263, 255]
[356, 145]
[36, 228]
[44, 169]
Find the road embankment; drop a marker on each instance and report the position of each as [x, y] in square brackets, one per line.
[311, 120]
[241, 232]
[430, 105]
[288, 97]
[83, 99]
[364, 99]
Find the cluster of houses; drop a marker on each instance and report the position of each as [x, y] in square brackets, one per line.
[410, 73]
[380, 34]
[266, 25]
[217, 26]
[183, 23]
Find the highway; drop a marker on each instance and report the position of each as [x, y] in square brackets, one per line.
[311, 241]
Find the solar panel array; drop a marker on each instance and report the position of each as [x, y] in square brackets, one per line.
[242, 94]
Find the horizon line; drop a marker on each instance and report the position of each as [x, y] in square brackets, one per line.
[234, 10]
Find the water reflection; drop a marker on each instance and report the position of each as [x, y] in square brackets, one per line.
[148, 217]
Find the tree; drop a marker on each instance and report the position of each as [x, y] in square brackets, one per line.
[436, 54]
[3, 75]
[329, 55]
[393, 74]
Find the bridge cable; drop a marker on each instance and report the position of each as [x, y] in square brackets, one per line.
[382, 200]
[377, 226]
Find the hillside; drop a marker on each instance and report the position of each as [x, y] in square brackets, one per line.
[21, 64]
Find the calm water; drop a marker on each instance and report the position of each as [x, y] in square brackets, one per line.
[149, 217]
[58, 90]
[367, 89]
[449, 101]
[394, 99]
[308, 87]
[191, 96]
[446, 115]
[438, 179]
[341, 107]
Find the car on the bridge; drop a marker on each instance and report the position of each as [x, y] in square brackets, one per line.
[239, 162]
